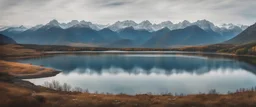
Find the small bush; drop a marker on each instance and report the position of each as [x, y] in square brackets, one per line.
[241, 51]
[40, 98]
[77, 89]
[55, 85]
[212, 91]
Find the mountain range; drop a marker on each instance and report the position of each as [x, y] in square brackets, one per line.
[191, 35]
[247, 36]
[146, 25]
[126, 33]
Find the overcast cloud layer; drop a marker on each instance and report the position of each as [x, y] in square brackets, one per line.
[30, 12]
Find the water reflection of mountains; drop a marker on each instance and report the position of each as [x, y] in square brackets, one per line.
[138, 64]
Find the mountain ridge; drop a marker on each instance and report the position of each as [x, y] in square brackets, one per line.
[83, 32]
[192, 35]
[6, 40]
[247, 36]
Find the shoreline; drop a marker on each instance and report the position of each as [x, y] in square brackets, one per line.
[26, 71]
[36, 75]
[144, 52]
[51, 53]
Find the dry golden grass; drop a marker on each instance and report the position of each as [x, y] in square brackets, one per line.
[15, 95]
[20, 69]
[82, 45]
[13, 50]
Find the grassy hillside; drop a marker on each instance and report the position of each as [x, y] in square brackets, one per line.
[246, 49]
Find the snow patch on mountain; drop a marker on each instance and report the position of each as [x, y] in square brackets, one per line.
[122, 24]
[17, 29]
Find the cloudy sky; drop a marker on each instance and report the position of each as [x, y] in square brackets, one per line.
[30, 12]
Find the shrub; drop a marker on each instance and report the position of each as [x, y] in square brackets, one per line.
[40, 98]
[78, 89]
[253, 50]
[55, 85]
[212, 91]
[241, 51]
[66, 87]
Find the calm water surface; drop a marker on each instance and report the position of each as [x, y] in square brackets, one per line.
[155, 73]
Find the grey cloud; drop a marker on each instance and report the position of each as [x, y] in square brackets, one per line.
[116, 3]
[5, 4]
[109, 11]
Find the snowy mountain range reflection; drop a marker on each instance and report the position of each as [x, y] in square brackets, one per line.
[139, 64]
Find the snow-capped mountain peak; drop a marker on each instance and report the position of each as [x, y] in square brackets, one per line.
[69, 24]
[124, 24]
[36, 27]
[205, 24]
[81, 26]
[167, 23]
[73, 22]
[185, 22]
[227, 25]
[17, 29]
[85, 22]
[22, 27]
[181, 25]
[129, 23]
[146, 23]
[53, 22]
[243, 27]
[2, 28]
[232, 26]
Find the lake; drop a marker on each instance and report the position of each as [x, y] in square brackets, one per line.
[148, 73]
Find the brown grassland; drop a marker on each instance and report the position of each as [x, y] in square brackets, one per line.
[22, 94]
[21, 70]
[12, 50]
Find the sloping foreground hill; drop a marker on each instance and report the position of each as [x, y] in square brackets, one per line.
[6, 40]
[247, 36]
